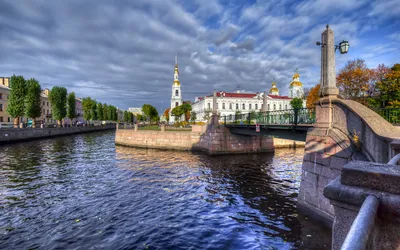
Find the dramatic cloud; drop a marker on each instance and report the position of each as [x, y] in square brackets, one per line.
[122, 52]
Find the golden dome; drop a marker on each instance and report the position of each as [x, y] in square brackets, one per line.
[296, 84]
[296, 75]
[177, 82]
[274, 89]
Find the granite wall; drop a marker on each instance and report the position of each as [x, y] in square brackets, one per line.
[345, 131]
[10, 135]
[213, 139]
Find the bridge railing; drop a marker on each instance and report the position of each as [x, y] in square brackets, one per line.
[391, 115]
[276, 117]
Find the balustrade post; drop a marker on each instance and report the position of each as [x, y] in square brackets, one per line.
[296, 116]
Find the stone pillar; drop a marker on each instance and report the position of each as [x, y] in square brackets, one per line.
[162, 127]
[264, 107]
[328, 73]
[136, 127]
[329, 89]
[214, 116]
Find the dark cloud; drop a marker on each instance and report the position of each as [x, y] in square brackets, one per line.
[123, 52]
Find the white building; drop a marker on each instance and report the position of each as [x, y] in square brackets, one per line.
[230, 103]
[176, 96]
[136, 111]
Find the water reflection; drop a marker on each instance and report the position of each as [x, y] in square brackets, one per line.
[83, 192]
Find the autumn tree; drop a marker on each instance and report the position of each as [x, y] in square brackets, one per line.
[71, 111]
[313, 96]
[355, 80]
[58, 99]
[388, 85]
[16, 98]
[32, 100]
[166, 113]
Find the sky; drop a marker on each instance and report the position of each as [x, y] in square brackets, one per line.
[123, 52]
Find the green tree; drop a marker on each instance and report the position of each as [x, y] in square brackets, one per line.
[16, 98]
[71, 106]
[238, 115]
[87, 108]
[32, 100]
[296, 103]
[58, 99]
[100, 111]
[105, 112]
[125, 116]
[93, 110]
[150, 111]
[130, 117]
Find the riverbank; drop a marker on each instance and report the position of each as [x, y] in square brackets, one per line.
[12, 135]
[213, 140]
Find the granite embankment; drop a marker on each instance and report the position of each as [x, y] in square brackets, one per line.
[10, 135]
[211, 139]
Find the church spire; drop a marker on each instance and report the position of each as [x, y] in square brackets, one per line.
[176, 71]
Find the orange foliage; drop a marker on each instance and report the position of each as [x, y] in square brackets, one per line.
[166, 113]
[313, 96]
[355, 80]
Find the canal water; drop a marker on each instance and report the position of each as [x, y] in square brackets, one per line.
[83, 192]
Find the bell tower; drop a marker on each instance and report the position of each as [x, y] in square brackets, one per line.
[176, 97]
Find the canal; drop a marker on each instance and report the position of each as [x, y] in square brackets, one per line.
[83, 192]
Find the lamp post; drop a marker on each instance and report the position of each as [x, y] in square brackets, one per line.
[328, 74]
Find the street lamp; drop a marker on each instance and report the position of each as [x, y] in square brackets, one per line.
[343, 45]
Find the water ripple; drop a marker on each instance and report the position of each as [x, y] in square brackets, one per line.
[82, 192]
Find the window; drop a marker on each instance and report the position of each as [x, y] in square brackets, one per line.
[1, 107]
[43, 103]
[8, 119]
[47, 103]
[256, 106]
[176, 104]
[250, 106]
[208, 105]
[1, 95]
[268, 106]
[230, 105]
[243, 106]
[176, 92]
[230, 117]
[274, 107]
[280, 106]
[223, 105]
[237, 106]
[286, 106]
[1, 119]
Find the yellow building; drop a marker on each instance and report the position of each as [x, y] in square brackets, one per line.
[4, 92]
[46, 107]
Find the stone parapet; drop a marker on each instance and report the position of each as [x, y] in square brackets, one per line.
[12, 135]
[212, 139]
[347, 193]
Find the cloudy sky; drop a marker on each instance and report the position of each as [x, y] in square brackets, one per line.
[122, 52]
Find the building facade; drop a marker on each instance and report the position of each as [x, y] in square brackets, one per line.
[4, 92]
[176, 95]
[229, 104]
[296, 87]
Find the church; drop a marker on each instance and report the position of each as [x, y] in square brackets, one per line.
[228, 103]
[176, 97]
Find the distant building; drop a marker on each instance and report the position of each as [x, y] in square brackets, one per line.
[4, 92]
[228, 104]
[120, 115]
[135, 111]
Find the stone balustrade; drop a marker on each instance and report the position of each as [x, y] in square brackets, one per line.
[347, 193]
